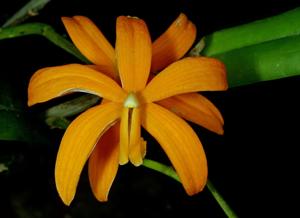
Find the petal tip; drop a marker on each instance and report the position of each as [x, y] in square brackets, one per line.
[29, 103]
[123, 161]
[196, 188]
[100, 196]
[64, 196]
[137, 163]
[29, 100]
[62, 192]
[65, 19]
[220, 132]
[76, 17]
[67, 202]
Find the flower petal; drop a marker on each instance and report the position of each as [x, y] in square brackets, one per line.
[52, 82]
[124, 136]
[137, 146]
[187, 75]
[197, 109]
[173, 43]
[105, 71]
[180, 143]
[90, 41]
[132, 145]
[104, 162]
[77, 144]
[133, 50]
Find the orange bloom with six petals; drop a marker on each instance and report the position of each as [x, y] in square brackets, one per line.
[109, 134]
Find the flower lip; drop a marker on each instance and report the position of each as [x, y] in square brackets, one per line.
[131, 101]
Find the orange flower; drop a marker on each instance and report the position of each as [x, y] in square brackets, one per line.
[109, 134]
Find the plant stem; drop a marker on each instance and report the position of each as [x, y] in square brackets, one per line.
[30, 9]
[44, 30]
[168, 171]
[218, 197]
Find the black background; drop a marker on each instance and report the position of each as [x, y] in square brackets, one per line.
[254, 165]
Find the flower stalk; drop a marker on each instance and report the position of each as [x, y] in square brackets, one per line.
[44, 30]
[168, 171]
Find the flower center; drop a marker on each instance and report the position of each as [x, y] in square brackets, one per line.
[131, 101]
[132, 145]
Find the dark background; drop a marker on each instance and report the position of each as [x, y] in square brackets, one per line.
[254, 165]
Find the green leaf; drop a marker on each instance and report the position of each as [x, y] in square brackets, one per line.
[12, 120]
[15, 124]
[271, 28]
[3, 167]
[57, 122]
[5, 162]
[56, 117]
[73, 107]
[259, 51]
[267, 61]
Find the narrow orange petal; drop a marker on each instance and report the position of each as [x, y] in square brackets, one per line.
[90, 41]
[133, 51]
[52, 82]
[197, 109]
[180, 143]
[137, 152]
[191, 74]
[104, 162]
[96, 35]
[77, 144]
[124, 137]
[173, 43]
[137, 146]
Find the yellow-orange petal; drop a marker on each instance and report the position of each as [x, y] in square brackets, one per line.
[137, 152]
[124, 136]
[104, 163]
[173, 43]
[132, 146]
[77, 144]
[91, 42]
[51, 82]
[197, 109]
[137, 145]
[133, 51]
[181, 145]
[104, 70]
[190, 74]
